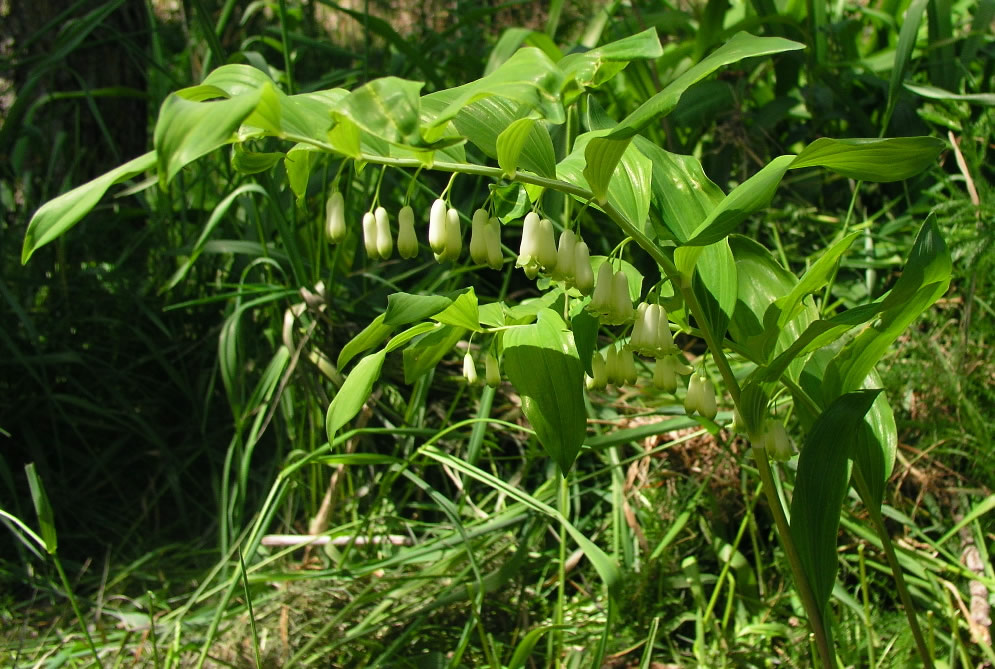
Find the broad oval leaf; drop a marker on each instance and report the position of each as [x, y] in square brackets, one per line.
[542, 364]
[526, 143]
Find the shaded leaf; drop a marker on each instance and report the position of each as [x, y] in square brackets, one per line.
[354, 392]
[883, 160]
[425, 352]
[372, 335]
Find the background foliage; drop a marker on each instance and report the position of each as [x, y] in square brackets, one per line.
[150, 394]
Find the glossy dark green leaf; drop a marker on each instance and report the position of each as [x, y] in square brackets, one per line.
[884, 160]
[542, 364]
[187, 130]
[425, 352]
[820, 485]
[56, 216]
[354, 392]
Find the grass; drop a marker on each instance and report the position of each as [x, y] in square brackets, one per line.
[176, 439]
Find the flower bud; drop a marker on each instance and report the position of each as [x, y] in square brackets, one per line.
[777, 443]
[492, 239]
[492, 373]
[664, 338]
[566, 256]
[620, 310]
[600, 303]
[530, 242]
[600, 378]
[707, 407]
[437, 227]
[627, 365]
[613, 369]
[583, 274]
[454, 236]
[643, 329]
[335, 217]
[469, 369]
[407, 240]
[664, 374]
[385, 242]
[370, 235]
[478, 234]
[692, 400]
[546, 249]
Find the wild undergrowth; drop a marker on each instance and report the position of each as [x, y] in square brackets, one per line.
[169, 363]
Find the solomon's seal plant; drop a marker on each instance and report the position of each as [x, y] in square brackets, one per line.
[710, 284]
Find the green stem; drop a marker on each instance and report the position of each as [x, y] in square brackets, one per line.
[896, 569]
[816, 623]
[563, 506]
[76, 610]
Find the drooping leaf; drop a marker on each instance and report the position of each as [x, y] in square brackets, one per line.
[373, 334]
[56, 216]
[298, 164]
[820, 486]
[187, 130]
[542, 364]
[629, 188]
[891, 159]
[354, 392]
[597, 66]
[873, 452]
[526, 143]
[934, 93]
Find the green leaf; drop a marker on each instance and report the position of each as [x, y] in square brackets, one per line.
[542, 364]
[354, 392]
[815, 278]
[234, 80]
[682, 193]
[298, 165]
[585, 328]
[740, 46]
[874, 450]
[425, 352]
[523, 651]
[372, 335]
[58, 215]
[513, 38]
[404, 308]
[387, 108]
[529, 77]
[595, 67]
[462, 312]
[883, 160]
[481, 122]
[715, 284]
[188, 130]
[924, 280]
[820, 486]
[253, 162]
[526, 143]
[748, 197]
[43, 509]
[629, 188]
[934, 93]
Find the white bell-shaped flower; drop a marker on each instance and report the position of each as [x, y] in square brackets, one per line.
[492, 239]
[601, 301]
[469, 369]
[370, 235]
[583, 274]
[478, 237]
[385, 242]
[454, 236]
[566, 257]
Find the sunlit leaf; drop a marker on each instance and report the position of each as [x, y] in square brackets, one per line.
[372, 335]
[462, 312]
[58, 215]
[882, 160]
[715, 284]
[595, 67]
[526, 143]
[354, 392]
